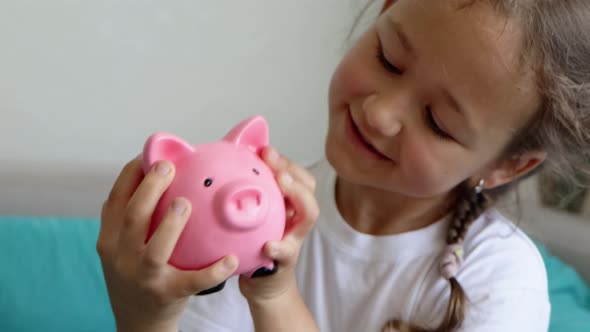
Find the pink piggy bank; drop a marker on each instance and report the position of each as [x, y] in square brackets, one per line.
[237, 205]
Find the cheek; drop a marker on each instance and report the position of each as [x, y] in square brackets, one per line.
[429, 172]
[353, 78]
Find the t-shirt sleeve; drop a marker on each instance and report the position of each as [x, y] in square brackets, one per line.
[505, 282]
[509, 311]
[224, 311]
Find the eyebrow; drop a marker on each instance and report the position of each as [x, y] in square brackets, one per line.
[402, 36]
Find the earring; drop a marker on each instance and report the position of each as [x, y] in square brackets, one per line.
[480, 186]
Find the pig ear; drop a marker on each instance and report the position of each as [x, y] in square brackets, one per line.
[251, 133]
[163, 146]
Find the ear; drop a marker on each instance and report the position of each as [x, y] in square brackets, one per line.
[163, 146]
[251, 133]
[512, 169]
[386, 5]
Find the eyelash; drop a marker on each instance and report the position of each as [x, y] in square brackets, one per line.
[428, 111]
[433, 126]
[385, 63]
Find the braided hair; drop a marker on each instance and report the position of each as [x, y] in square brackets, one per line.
[470, 205]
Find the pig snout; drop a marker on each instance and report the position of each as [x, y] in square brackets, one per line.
[242, 205]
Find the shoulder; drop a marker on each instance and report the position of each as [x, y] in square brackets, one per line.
[503, 276]
[498, 253]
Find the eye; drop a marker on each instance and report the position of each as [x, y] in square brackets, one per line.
[431, 122]
[255, 171]
[385, 63]
[208, 182]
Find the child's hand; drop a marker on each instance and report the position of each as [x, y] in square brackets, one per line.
[298, 186]
[146, 293]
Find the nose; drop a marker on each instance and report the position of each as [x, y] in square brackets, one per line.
[241, 205]
[384, 113]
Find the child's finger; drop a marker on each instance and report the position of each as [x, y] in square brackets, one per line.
[274, 159]
[284, 252]
[162, 243]
[302, 175]
[187, 283]
[304, 204]
[114, 206]
[143, 203]
[279, 163]
[125, 184]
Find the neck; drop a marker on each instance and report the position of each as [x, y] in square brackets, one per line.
[377, 212]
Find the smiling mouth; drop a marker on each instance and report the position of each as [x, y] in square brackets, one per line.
[364, 141]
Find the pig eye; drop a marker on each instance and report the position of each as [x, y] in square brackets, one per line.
[208, 182]
[255, 171]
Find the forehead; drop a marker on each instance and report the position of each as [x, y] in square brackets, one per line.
[474, 52]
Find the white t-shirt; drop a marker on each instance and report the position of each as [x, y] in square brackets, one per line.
[354, 282]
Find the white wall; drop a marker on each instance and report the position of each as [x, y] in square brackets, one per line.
[85, 82]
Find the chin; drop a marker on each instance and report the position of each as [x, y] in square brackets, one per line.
[348, 167]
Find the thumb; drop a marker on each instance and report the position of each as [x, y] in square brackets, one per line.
[192, 282]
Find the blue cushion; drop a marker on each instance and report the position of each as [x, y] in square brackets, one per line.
[51, 278]
[569, 296]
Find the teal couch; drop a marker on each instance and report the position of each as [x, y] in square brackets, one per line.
[51, 280]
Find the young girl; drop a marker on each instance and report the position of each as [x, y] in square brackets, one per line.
[438, 109]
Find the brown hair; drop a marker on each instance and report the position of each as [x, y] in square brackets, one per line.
[556, 47]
